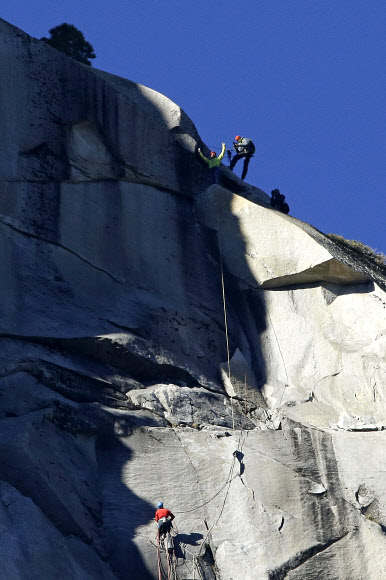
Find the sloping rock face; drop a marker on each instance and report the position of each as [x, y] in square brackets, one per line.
[121, 381]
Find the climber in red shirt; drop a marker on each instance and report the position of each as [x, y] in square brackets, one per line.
[164, 519]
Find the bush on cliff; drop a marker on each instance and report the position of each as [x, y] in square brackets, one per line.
[365, 251]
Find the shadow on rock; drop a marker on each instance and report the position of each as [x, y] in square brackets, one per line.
[182, 540]
[122, 511]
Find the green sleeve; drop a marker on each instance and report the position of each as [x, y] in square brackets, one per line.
[222, 152]
[203, 157]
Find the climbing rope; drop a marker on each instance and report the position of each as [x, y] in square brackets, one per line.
[227, 334]
[227, 341]
[160, 570]
[240, 444]
[171, 572]
[225, 311]
[282, 357]
[158, 561]
[222, 507]
[227, 484]
[171, 558]
[226, 325]
[196, 565]
[213, 496]
[167, 562]
[245, 415]
[197, 554]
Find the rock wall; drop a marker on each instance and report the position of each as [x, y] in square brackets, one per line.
[116, 389]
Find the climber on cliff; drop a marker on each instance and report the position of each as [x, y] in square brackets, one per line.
[164, 519]
[244, 148]
[213, 162]
[278, 201]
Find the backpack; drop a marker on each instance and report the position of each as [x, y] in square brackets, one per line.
[249, 146]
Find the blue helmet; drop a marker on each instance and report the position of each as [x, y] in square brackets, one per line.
[160, 504]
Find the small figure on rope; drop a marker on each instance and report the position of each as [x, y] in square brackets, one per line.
[278, 201]
[213, 162]
[244, 148]
[164, 519]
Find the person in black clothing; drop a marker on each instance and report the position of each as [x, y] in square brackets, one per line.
[244, 149]
[278, 201]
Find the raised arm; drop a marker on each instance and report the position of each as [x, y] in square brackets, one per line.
[203, 156]
[222, 151]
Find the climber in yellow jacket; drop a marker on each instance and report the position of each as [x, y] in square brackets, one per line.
[213, 162]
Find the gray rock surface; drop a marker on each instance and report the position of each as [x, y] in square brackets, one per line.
[115, 386]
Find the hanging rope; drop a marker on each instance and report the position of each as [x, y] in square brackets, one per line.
[230, 477]
[282, 357]
[213, 496]
[226, 326]
[225, 311]
[245, 394]
[168, 563]
[170, 557]
[171, 572]
[159, 558]
[227, 341]
[228, 483]
[196, 565]
[222, 508]
[227, 334]
[245, 402]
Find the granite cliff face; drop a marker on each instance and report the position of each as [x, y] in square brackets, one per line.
[115, 389]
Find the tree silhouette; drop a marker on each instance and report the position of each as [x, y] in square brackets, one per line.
[68, 39]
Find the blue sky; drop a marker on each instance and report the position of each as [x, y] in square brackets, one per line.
[305, 79]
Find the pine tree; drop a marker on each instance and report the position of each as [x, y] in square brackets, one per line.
[68, 39]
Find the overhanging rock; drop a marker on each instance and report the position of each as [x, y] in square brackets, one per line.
[276, 250]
